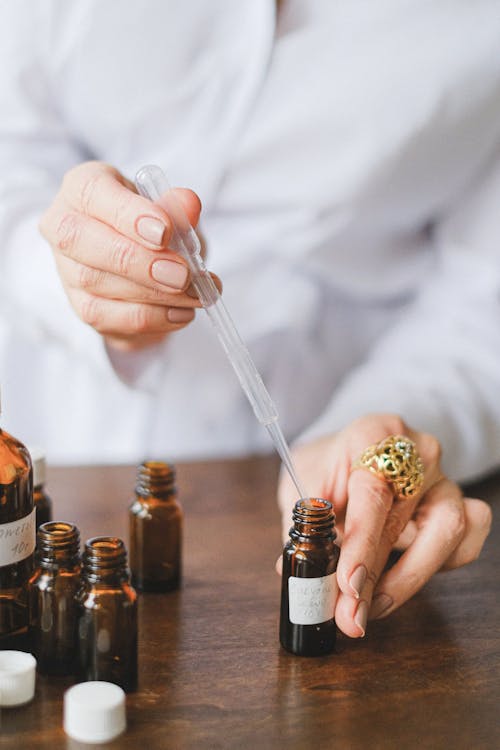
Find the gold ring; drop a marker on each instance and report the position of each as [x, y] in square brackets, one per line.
[396, 461]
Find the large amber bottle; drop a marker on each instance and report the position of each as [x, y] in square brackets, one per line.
[17, 540]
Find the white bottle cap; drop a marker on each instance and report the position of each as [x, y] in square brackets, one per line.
[17, 678]
[94, 711]
[39, 465]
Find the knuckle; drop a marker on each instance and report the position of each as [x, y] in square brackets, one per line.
[396, 425]
[454, 524]
[483, 516]
[75, 178]
[393, 528]
[430, 450]
[68, 232]
[122, 255]
[88, 278]
[155, 295]
[139, 319]
[88, 190]
[378, 494]
[121, 216]
[90, 311]
[372, 577]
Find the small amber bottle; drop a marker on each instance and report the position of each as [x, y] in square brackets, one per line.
[309, 585]
[155, 519]
[52, 591]
[43, 503]
[107, 616]
[17, 540]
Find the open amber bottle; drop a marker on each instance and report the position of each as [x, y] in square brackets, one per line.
[309, 585]
[155, 518]
[52, 605]
[107, 615]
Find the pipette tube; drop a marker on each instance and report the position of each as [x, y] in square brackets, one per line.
[152, 183]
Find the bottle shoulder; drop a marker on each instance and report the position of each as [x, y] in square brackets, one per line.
[14, 458]
[55, 581]
[155, 508]
[103, 591]
[307, 559]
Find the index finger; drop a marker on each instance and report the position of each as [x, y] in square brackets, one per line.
[370, 500]
[100, 191]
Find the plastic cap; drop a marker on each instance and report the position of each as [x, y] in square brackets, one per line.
[94, 711]
[17, 678]
[39, 465]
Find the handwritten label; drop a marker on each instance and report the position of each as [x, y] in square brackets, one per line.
[17, 539]
[312, 600]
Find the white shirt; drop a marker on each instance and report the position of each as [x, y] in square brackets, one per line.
[347, 155]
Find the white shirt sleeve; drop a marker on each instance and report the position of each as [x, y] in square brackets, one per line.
[438, 367]
[36, 150]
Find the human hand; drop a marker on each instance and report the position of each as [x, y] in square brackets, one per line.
[111, 250]
[438, 530]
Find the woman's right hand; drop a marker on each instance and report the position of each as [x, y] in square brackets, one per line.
[111, 250]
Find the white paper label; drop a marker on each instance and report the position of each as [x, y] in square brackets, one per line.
[17, 539]
[312, 600]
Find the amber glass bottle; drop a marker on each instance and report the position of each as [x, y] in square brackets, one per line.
[43, 503]
[155, 519]
[52, 605]
[17, 540]
[309, 586]
[107, 616]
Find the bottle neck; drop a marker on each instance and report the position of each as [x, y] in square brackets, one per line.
[105, 560]
[58, 545]
[156, 479]
[313, 519]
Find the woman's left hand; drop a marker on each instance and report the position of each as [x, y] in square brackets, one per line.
[439, 529]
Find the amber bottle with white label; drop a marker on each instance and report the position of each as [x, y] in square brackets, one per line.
[309, 583]
[17, 540]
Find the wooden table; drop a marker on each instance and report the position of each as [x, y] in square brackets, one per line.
[212, 673]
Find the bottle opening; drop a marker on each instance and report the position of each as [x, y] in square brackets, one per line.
[315, 503]
[105, 544]
[105, 554]
[160, 467]
[57, 540]
[155, 478]
[57, 528]
[311, 516]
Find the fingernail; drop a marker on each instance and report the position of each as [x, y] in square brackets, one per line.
[361, 617]
[170, 273]
[380, 603]
[357, 580]
[150, 229]
[180, 314]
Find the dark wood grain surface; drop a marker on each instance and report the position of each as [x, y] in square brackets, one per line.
[212, 673]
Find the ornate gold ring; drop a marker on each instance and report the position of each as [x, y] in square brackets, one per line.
[396, 461]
